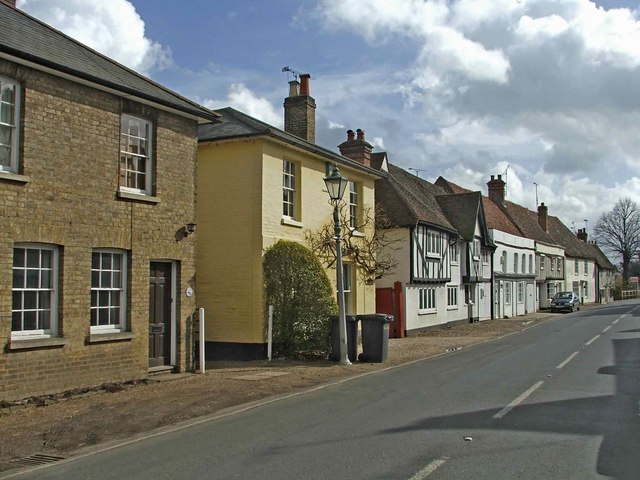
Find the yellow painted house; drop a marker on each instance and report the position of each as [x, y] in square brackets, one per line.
[258, 184]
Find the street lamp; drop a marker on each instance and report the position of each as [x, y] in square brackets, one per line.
[336, 185]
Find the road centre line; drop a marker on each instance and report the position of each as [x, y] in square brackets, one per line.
[616, 320]
[518, 400]
[592, 340]
[606, 329]
[429, 469]
[567, 360]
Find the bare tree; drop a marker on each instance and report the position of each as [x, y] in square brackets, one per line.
[367, 245]
[618, 231]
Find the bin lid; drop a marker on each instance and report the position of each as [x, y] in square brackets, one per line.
[376, 317]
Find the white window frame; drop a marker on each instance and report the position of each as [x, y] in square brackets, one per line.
[520, 292]
[576, 267]
[434, 244]
[38, 290]
[453, 249]
[531, 263]
[515, 263]
[504, 260]
[354, 207]
[524, 264]
[98, 302]
[452, 297]
[426, 300]
[586, 267]
[289, 190]
[13, 127]
[126, 140]
[542, 263]
[507, 293]
[347, 283]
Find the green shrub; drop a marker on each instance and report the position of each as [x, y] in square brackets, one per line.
[302, 296]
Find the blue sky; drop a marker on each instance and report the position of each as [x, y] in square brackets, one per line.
[544, 90]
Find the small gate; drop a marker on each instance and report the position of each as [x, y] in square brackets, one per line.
[391, 302]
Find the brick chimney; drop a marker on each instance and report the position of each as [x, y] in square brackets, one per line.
[11, 3]
[357, 148]
[542, 216]
[582, 234]
[300, 110]
[496, 189]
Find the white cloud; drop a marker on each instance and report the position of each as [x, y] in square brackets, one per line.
[113, 28]
[243, 99]
[546, 86]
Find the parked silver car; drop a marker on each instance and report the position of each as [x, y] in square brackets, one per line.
[568, 301]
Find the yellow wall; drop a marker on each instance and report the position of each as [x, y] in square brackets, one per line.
[240, 215]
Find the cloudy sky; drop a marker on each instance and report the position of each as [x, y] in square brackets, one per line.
[544, 91]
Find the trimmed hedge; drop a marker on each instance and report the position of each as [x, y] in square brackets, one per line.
[303, 299]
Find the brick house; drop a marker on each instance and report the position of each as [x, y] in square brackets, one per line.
[270, 182]
[97, 187]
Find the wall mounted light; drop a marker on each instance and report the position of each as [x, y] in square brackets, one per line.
[189, 229]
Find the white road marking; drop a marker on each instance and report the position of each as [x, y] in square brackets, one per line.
[567, 360]
[429, 469]
[592, 340]
[616, 320]
[518, 400]
[606, 329]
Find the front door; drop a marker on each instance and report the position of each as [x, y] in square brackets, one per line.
[159, 314]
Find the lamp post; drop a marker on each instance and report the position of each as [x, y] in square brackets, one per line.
[336, 185]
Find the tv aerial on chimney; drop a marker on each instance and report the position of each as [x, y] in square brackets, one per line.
[291, 71]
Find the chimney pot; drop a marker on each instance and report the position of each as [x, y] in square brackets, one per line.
[499, 177]
[294, 88]
[351, 136]
[304, 84]
[360, 134]
[493, 177]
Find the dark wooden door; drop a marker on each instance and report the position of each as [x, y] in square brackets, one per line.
[159, 314]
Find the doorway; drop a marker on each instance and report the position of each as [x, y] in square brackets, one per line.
[161, 314]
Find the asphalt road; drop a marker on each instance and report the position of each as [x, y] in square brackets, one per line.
[558, 401]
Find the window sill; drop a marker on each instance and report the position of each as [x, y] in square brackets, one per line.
[454, 307]
[357, 233]
[139, 197]
[14, 177]
[291, 222]
[427, 312]
[110, 337]
[29, 343]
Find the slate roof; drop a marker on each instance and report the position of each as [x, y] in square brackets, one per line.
[234, 124]
[25, 39]
[496, 218]
[407, 200]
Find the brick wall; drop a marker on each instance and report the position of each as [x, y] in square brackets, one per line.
[70, 152]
